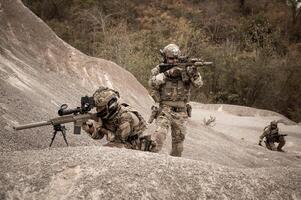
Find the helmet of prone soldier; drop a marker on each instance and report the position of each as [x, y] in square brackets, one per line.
[273, 124]
[171, 51]
[106, 101]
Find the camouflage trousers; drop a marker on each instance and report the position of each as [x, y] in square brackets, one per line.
[176, 120]
[122, 145]
[132, 143]
[270, 144]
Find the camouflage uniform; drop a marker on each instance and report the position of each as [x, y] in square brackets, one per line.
[271, 133]
[173, 95]
[122, 125]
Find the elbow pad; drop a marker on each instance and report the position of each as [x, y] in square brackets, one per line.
[125, 130]
[158, 80]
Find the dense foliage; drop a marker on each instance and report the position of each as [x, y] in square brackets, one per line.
[255, 45]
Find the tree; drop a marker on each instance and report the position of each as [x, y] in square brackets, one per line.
[295, 6]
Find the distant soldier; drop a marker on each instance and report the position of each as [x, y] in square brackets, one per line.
[122, 125]
[171, 90]
[271, 133]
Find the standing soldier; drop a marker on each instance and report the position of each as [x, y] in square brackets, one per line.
[122, 125]
[271, 133]
[171, 90]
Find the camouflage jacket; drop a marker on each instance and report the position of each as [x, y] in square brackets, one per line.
[123, 127]
[267, 132]
[172, 89]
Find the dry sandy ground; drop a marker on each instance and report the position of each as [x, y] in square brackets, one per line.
[39, 72]
[108, 173]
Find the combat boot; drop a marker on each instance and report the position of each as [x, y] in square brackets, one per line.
[280, 150]
[146, 144]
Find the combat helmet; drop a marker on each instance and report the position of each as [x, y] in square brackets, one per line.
[273, 124]
[171, 51]
[106, 101]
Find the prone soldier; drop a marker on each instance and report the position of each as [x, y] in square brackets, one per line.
[122, 125]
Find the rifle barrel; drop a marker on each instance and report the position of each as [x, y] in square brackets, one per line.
[32, 125]
[203, 63]
[186, 64]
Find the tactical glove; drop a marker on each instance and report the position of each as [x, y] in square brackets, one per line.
[192, 71]
[92, 128]
[173, 72]
[158, 80]
[89, 127]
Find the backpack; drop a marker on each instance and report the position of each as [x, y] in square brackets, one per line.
[142, 123]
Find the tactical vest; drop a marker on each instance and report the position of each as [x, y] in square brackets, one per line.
[113, 123]
[271, 131]
[175, 90]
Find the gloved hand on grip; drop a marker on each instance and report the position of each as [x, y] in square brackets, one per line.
[88, 126]
[91, 128]
[192, 71]
[173, 72]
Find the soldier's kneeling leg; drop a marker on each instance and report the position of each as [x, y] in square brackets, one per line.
[159, 136]
[281, 143]
[271, 146]
[178, 137]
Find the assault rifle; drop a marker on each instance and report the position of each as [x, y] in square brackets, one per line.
[276, 135]
[77, 115]
[184, 62]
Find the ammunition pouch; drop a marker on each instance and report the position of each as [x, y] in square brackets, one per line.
[175, 90]
[154, 114]
[185, 77]
[175, 106]
[155, 94]
[178, 109]
[180, 104]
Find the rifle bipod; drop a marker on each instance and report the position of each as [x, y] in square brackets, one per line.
[62, 129]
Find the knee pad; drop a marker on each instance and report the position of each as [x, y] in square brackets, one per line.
[178, 137]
